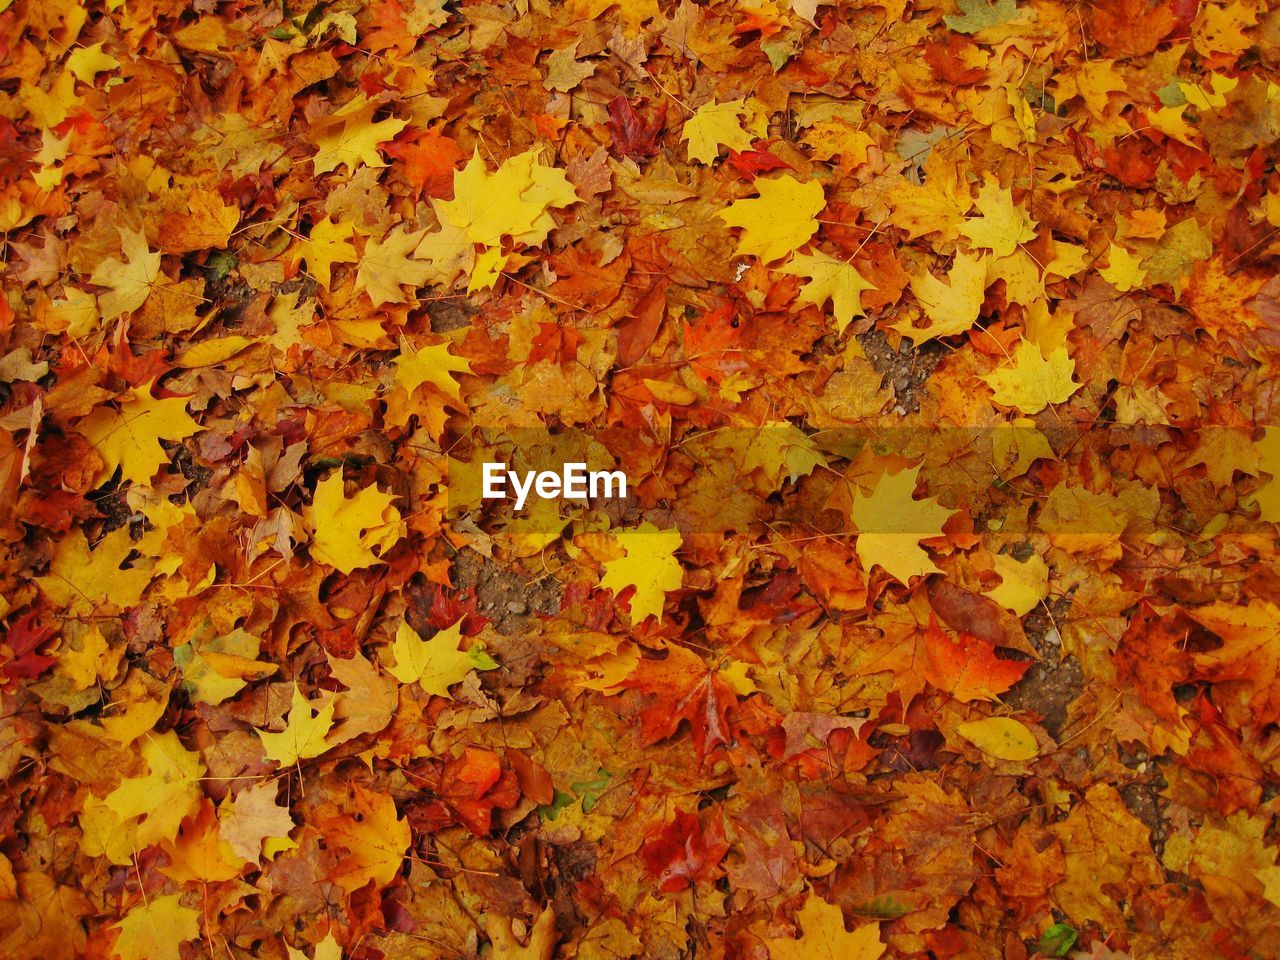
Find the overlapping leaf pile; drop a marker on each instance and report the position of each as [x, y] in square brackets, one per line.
[938, 340]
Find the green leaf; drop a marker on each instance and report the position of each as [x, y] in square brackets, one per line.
[1057, 940]
[887, 907]
[979, 14]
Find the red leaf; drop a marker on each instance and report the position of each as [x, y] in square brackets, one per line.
[750, 163]
[967, 667]
[683, 688]
[681, 852]
[633, 136]
[21, 649]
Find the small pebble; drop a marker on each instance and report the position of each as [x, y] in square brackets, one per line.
[517, 606]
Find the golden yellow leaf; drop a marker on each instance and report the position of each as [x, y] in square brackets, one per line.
[80, 580]
[951, 307]
[156, 929]
[346, 531]
[432, 364]
[217, 669]
[91, 659]
[936, 206]
[833, 280]
[779, 220]
[1001, 737]
[208, 353]
[128, 281]
[326, 949]
[1023, 585]
[779, 449]
[1123, 270]
[388, 264]
[129, 437]
[1033, 382]
[823, 936]
[1001, 224]
[714, 125]
[650, 566]
[329, 242]
[514, 201]
[144, 810]
[85, 63]
[304, 734]
[374, 839]
[1269, 462]
[891, 524]
[350, 137]
[435, 664]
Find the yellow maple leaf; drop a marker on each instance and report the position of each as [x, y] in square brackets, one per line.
[1221, 28]
[304, 734]
[449, 251]
[78, 310]
[823, 936]
[513, 201]
[327, 243]
[1123, 270]
[81, 580]
[216, 669]
[436, 664]
[836, 138]
[326, 949]
[1225, 451]
[1001, 224]
[1033, 382]
[830, 279]
[1001, 737]
[387, 264]
[135, 706]
[650, 566]
[289, 313]
[778, 449]
[53, 150]
[714, 125]
[936, 206]
[156, 929]
[1022, 585]
[349, 137]
[891, 524]
[144, 810]
[951, 307]
[431, 364]
[345, 531]
[128, 281]
[779, 220]
[1269, 462]
[1172, 122]
[488, 268]
[130, 437]
[373, 836]
[85, 63]
[90, 659]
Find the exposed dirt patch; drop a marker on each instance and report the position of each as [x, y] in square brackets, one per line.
[1055, 679]
[506, 598]
[449, 314]
[111, 504]
[905, 369]
[1144, 800]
